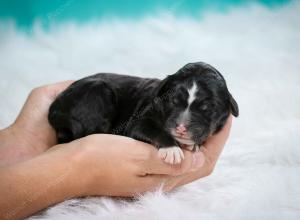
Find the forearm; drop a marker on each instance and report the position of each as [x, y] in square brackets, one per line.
[35, 184]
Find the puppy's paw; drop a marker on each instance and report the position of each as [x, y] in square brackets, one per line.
[171, 155]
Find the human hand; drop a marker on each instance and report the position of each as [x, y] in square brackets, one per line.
[207, 157]
[98, 165]
[31, 133]
[120, 166]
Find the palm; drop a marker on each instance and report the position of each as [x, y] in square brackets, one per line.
[33, 119]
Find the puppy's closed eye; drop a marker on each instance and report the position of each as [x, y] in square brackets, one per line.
[203, 107]
[179, 101]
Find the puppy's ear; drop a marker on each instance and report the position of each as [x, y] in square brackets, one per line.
[165, 87]
[233, 106]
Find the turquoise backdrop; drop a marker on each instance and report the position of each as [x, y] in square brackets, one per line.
[26, 12]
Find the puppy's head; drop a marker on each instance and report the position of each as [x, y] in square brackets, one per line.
[194, 103]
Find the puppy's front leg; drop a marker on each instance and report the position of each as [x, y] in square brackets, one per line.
[151, 132]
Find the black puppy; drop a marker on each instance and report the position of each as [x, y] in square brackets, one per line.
[180, 111]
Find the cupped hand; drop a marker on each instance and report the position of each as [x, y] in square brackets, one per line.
[33, 118]
[31, 134]
[120, 166]
[207, 156]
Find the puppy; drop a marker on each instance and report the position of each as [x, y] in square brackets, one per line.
[180, 111]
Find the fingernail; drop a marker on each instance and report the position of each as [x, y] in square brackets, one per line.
[198, 160]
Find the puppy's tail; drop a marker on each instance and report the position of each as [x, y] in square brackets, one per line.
[67, 128]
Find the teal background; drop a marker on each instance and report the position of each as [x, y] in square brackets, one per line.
[25, 13]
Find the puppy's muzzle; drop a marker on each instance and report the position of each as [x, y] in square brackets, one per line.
[181, 130]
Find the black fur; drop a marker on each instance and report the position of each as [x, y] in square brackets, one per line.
[143, 108]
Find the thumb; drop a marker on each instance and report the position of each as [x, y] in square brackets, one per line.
[155, 165]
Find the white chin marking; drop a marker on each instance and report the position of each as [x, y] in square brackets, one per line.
[171, 155]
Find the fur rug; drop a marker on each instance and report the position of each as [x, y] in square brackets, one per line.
[258, 52]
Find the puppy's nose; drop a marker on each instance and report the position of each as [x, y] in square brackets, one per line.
[181, 129]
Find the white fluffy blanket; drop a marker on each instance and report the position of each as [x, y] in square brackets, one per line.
[257, 50]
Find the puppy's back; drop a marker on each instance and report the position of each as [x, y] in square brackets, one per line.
[100, 103]
[86, 107]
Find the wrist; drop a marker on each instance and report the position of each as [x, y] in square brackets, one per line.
[27, 135]
[81, 174]
[13, 147]
[18, 143]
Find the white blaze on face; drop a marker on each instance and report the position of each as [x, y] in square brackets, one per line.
[192, 94]
[185, 115]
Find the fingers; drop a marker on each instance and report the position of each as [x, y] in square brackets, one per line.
[54, 89]
[219, 139]
[39, 99]
[59, 87]
[214, 145]
[155, 164]
[207, 155]
[167, 177]
[175, 175]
